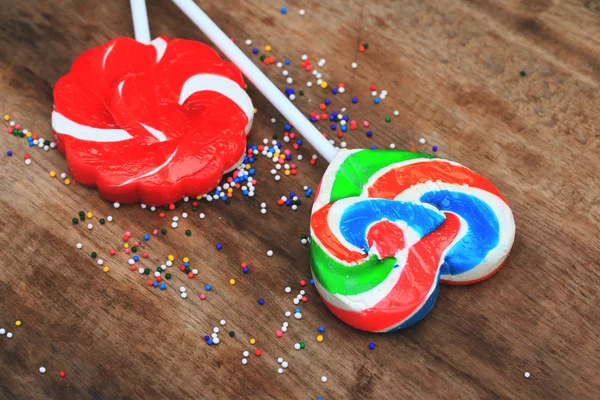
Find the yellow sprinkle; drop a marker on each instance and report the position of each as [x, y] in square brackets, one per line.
[248, 166]
[252, 341]
[198, 197]
[89, 214]
[52, 174]
[126, 245]
[18, 323]
[255, 110]
[287, 172]
[267, 48]
[6, 117]
[320, 338]
[105, 269]
[276, 155]
[28, 134]
[232, 281]
[185, 259]
[170, 257]
[230, 190]
[282, 156]
[67, 181]
[324, 85]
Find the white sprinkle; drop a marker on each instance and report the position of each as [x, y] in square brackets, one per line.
[12, 123]
[292, 98]
[152, 208]
[2, 331]
[248, 42]
[143, 206]
[285, 72]
[182, 289]
[296, 302]
[284, 329]
[286, 324]
[392, 146]
[288, 289]
[342, 90]
[297, 346]
[195, 271]
[79, 245]
[175, 218]
[290, 81]
[294, 207]
[354, 65]
[284, 364]
[216, 329]
[184, 215]
[131, 261]
[302, 292]
[309, 84]
[288, 313]
[301, 12]
[174, 225]
[116, 204]
[422, 140]
[527, 375]
[169, 263]
[299, 157]
[270, 253]
[28, 161]
[263, 205]
[202, 215]
[183, 295]
[263, 211]
[141, 270]
[396, 112]
[222, 322]
[109, 218]
[63, 175]
[280, 370]
[244, 361]
[100, 262]
[42, 370]
[280, 360]
[323, 379]
[304, 57]
[9, 335]
[216, 340]
[277, 177]
[245, 353]
[90, 226]
[297, 315]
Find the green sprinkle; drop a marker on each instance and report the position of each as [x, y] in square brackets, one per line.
[147, 271]
[102, 221]
[21, 134]
[82, 215]
[94, 255]
[15, 132]
[134, 249]
[187, 270]
[523, 72]
[188, 232]
[227, 201]
[194, 208]
[231, 334]
[168, 276]
[302, 345]
[302, 236]
[301, 93]
[75, 221]
[262, 57]
[159, 269]
[275, 136]
[366, 45]
[163, 231]
[388, 119]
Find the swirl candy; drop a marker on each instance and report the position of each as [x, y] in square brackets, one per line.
[151, 122]
[387, 226]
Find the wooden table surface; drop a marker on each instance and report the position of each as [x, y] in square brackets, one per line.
[452, 70]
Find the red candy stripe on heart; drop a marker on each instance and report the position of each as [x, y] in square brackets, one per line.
[151, 123]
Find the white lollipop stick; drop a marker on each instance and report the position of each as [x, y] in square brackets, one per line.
[139, 14]
[262, 83]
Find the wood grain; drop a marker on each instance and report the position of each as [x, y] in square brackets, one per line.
[452, 70]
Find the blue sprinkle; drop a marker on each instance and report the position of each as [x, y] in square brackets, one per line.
[334, 113]
[136, 258]
[333, 127]
[287, 127]
[9, 153]
[245, 270]
[208, 287]
[245, 192]
[206, 337]
[434, 148]
[219, 246]
[334, 90]
[321, 328]
[251, 171]
[313, 119]
[327, 102]
[319, 398]
[369, 133]
[146, 237]
[261, 301]
[346, 118]
[292, 194]
[288, 157]
[288, 202]
[376, 100]
[312, 281]
[255, 50]
[209, 341]
[287, 62]
[297, 310]
[186, 264]
[373, 147]
[163, 286]
[299, 142]
[344, 128]
[354, 100]
[372, 346]
[289, 91]
[283, 10]
[155, 284]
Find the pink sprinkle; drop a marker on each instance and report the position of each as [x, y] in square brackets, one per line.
[279, 333]
[136, 243]
[352, 122]
[145, 254]
[287, 152]
[366, 124]
[18, 126]
[254, 181]
[155, 232]
[9, 129]
[281, 161]
[127, 251]
[202, 296]
[293, 166]
[113, 252]
[127, 233]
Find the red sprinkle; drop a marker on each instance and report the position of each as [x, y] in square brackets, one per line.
[62, 374]
[258, 353]
[302, 283]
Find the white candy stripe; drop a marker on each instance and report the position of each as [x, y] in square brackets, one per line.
[154, 171]
[222, 85]
[64, 126]
[161, 46]
[155, 132]
[106, 54]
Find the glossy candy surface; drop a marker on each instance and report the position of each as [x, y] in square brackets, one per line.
[151, 123]
[388, 226]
